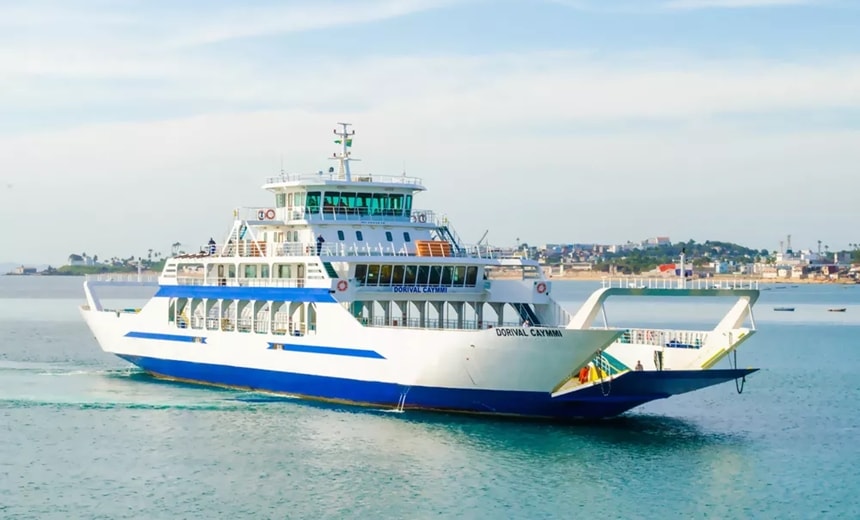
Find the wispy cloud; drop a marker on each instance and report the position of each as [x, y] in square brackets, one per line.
[245, 21]
[651, 6]
[734, 4]
[518, 87]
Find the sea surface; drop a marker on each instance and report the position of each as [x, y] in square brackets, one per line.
[85, 435]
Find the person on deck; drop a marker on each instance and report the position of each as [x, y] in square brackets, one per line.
[320, 241]
[639, 366]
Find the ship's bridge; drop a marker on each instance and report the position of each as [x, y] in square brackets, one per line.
[336, 212]
[328, 196]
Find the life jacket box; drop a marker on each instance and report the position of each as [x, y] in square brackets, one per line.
[432, 248]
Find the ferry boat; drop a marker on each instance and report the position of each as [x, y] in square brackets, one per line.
[344, 291]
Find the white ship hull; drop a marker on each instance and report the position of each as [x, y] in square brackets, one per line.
[502, 371]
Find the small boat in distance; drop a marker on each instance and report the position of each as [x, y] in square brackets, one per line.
[784, 309]
[840, 309]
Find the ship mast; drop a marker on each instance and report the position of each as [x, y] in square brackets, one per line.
[343, 158]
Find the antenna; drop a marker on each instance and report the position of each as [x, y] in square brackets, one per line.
[343, 158]
[282, 165]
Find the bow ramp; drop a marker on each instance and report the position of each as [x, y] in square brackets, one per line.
[651, 363]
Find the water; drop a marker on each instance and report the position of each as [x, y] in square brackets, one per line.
[83, 435]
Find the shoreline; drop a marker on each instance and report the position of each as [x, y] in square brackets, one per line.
[596, 276]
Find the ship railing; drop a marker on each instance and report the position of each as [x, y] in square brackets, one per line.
[346, 213]
[334, 176]
[490, 252]
[678, 283]
[664, 338]
[434, 323]
[250, 249]
[241, 282]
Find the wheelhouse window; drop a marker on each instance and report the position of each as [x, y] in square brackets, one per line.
[422, 275]
[397, 275]
[385, 274]
[373, 275]
[280, 200]
[360, 273]
[409, 275]
[435, 275]
[447, 276]
[313, 204]
[471, 276]
[350, 203]
[459, 276]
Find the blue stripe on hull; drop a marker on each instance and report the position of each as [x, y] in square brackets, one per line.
[528, 404]
[166, 337]
[246, 293]
[334, 351]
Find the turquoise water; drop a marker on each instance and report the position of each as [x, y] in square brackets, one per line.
[83, 435]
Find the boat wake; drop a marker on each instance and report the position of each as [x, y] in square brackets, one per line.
[60, 369]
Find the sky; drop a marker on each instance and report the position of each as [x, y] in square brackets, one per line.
[127, 125]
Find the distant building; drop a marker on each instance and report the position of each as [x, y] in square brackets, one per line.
[21, 270]
[80, 260]
[658, 241]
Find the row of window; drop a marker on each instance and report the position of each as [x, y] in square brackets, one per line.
[348, 203]
[360, 236]
[256, 270]
[424, 275]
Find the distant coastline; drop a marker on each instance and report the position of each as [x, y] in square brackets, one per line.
[553, 274]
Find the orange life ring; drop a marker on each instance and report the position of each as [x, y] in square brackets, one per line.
[270, 214]
[342, 285]
[541, 288]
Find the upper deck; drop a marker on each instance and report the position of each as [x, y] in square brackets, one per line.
[332, 178]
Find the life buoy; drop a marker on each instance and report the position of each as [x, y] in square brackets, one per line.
[342, 285]
[270, 214]
[422, 218]
[541, 288]
[261, 214]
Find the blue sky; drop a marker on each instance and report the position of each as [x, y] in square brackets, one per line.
[133, 124]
